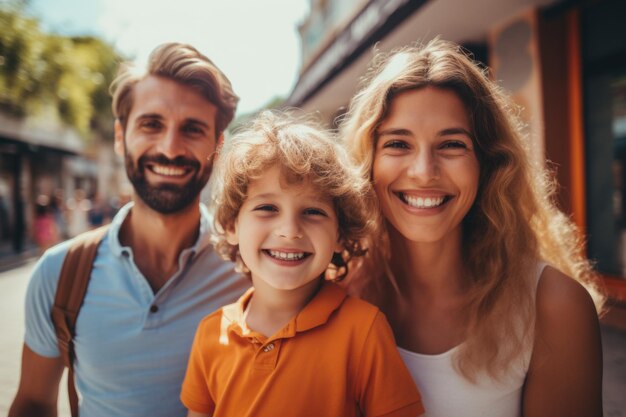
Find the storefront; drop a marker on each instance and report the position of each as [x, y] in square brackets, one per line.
[564, 62]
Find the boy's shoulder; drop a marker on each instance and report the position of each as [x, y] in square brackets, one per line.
[358, 311]
[227, 312]
[222, 318]
[359, 305]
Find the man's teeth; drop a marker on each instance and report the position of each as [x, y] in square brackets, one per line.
[423, 202]
[286, 256]
[168, 170]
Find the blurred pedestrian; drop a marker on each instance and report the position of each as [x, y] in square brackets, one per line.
[44, 225]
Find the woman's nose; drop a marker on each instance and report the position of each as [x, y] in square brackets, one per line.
[424, 167]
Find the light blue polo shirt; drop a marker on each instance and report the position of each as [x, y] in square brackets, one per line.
[132, 345]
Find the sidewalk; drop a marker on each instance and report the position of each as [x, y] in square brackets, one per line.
[10, 260]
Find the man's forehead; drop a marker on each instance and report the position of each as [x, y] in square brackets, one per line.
[169, 98]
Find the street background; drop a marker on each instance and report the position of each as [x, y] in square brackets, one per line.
[13, 289]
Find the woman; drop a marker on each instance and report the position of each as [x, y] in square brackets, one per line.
[480, 275]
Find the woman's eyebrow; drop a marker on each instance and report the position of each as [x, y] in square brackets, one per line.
[395, 132]
[455, 131]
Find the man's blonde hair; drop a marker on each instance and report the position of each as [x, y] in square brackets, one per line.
[186, 65]
[304, 153]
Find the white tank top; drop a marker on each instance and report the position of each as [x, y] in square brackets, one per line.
[446, 393]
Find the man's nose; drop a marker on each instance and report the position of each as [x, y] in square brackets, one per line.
[171, 144]
[424, 166]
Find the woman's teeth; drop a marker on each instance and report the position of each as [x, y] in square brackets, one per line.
[423, 202]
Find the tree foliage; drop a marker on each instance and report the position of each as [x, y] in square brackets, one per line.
[47, 73]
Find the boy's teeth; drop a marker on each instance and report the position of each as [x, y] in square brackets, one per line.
[423, 202]
[168, 170]
[287, 256]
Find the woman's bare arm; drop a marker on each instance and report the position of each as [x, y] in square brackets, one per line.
[565, 373]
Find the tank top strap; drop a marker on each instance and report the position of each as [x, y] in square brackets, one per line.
[540, 266]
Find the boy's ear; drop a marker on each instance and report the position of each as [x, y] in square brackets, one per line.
[118, 145]
[339, 245]
[231, 235]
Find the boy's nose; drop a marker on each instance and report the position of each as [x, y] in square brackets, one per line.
[289, 230]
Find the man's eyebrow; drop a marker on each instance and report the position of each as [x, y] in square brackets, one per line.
[198, 122]
[149, 116]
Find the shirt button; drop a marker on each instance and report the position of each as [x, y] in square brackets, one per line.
[154, 308]
[268, 347]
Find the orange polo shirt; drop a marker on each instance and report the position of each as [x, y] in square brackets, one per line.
[336, 358]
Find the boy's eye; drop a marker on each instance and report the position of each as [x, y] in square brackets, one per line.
[312, 211]
[265, 207]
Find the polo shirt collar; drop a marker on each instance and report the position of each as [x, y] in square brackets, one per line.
[204, 236]
[314, 314]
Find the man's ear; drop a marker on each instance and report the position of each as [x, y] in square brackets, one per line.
[118, 145]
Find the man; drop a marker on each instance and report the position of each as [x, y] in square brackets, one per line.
[155, 274]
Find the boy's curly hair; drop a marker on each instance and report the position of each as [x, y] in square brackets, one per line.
[305, 153]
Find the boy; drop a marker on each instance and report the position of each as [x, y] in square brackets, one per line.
[287, 204]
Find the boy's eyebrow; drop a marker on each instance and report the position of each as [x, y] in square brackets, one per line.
[318, 199]
[262, 196]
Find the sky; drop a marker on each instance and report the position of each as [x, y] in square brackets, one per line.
[254, 42]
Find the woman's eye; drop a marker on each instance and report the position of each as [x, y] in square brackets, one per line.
[395, 144]
[453, 144]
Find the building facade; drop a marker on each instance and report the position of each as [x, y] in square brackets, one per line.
[45, 164]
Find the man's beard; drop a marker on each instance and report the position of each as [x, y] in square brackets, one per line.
[167, 198]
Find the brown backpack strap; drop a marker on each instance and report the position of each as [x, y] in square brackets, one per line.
[68, 300]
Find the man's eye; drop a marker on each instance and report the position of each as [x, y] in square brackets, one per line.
[196, 130]
[151, 124]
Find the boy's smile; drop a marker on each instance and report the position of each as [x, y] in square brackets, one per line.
[287, 233]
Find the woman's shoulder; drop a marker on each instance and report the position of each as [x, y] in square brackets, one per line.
[566, 345]
[567, 323]
[562, 299]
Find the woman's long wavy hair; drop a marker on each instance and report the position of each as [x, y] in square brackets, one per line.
[513, 222]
